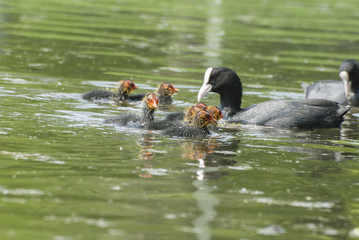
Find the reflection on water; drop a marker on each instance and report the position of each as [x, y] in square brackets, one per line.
[206, 203]
[209, 157]
[214, 33]
[146, 143]
[313, 144]
[198, 150]
[66, 175]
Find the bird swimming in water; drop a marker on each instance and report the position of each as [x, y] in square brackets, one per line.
[345, 92]
[150, 104]
[215, 112]
[307, 113]
[197, 127]
[187, 113]
[164, 93]
[125, 87]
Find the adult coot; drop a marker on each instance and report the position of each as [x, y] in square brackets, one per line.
[307, 113]
[344, 92]
[125, 87]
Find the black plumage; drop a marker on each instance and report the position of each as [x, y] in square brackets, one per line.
[307, 113]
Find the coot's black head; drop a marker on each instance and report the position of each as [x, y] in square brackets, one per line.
[227, 84]
[349, 73]
[351, 67]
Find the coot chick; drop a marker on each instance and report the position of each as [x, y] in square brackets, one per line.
[174, 119]
[197, 128]
[215, 112]
[344, 92]
[307, 113]
[150, 104]
[164, 93]
[179, 116]
[190, 112]
[124, 89]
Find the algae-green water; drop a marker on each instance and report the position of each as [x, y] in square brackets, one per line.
[65, 175]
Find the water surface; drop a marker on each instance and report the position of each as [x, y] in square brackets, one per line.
[66, 175]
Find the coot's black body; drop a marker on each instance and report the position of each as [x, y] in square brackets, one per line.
[307, 113]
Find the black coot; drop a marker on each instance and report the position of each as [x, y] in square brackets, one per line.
[344, 92]
[307, 113]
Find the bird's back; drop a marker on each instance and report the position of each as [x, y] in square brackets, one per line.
[327, 89]
[307, 113]
[98, 94]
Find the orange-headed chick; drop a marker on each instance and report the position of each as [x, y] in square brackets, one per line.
[165, 92]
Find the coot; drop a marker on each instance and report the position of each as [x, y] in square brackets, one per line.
[174, 119]
[197, 128]
[164, 93]
[179, 116]
[124, 89]
[215, 112]
[150, 104]
[344, 92]
[307, 113]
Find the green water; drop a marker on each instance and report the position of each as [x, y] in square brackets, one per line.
[65, 175]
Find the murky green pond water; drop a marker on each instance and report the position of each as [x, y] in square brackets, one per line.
[65, 175]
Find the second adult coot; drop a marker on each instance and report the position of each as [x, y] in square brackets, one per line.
[344, 92]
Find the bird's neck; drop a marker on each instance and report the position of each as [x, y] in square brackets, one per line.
[354, 78]
[230, 101]
[122, 94]
[147, 114]
[355, 83]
